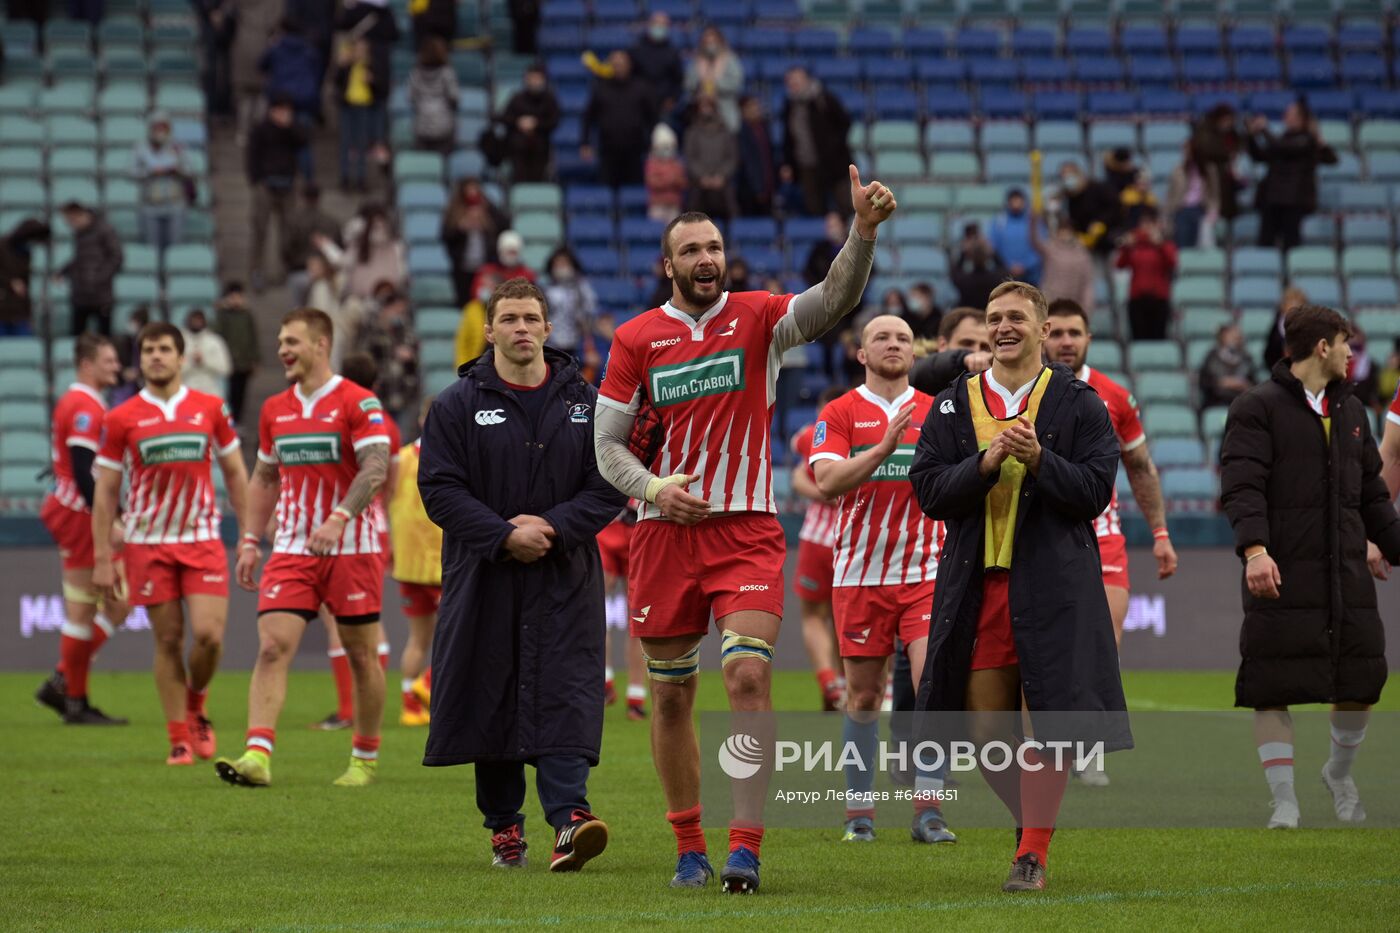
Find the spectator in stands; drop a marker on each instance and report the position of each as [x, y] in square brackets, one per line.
[471, 331]
[977, 269]
[1119, 169]
[292, 69]
[433, 20]
[658, 63]
[1215, 143]
[508, 263]
[1010, 236]
[661, 288]
[16, 255]
[1288, 192]
[255, 23]
[374, 253]
[97, 258]
[821, 254]
[1193, 202]
[622, 111]
[317, 20]
[303, 225]
[1227, 372]
[218, 24]
[326, 290]
[207, 362]
[1293, 297]
[1094, 208]
[1151, 259]
[274, 148]
[90, 10]
[922, 313]
[758, 160]
[525, 26]
[433, 94]
[470, 227]
[158, 164]
[1137, 197]
[373, 20]
[387, 335]
[893, 303]
[1067, 269]
[711, 159]
[531, 116]
[573, 309]
[815, 151]
[129, 355]
[665, 176]
[362, 93]
[715, 71]
[235, 323]
[740, 277]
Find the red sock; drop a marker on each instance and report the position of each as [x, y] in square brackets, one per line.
[179, 732]
[748, 835]
[365, 747]
[1041, 792]
[261, 740]
[101, 631]
[344, 684]
[410, 702]
[76, 655]
[194, 700]
[686, 825]
[428, 678]
[383, 655]
[868, 812]
[827, 678]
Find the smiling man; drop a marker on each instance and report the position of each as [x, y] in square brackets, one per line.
[508, 473]
[692, 385]
[1018, 462]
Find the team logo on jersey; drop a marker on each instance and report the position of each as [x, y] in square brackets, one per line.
[658, 344]
[867, 424]
[646, 611]
[819, 434]
[83, 422]
[375, 417]
[273, 591]
[579, 413]
[148, 588]
[729, 329]
[173, 448]
[490, 416]
[946, 407]
[715, 374]
[307, 449]
[197, 418]
[894, 467]
[371, 404]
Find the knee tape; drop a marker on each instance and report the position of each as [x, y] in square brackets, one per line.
[76, 594]
[674, 670]
[734, 646]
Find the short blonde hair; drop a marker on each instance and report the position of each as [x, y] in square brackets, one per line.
[1023, 290]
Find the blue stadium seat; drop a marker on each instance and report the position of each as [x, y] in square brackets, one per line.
[925, 42]
[1001, 103]
[1150, 71]
[1258, 69]
[814, 43]
[1322, 290]
[940, 70]
[1378, 103]
[1088, 41]
[993, 71]
[976, 42]
[831, 70]
[1250, 40]
[753, 230]
[1143, 39]
[1197, 40]
[1372, 292]
[1033, 42]
[1359, 37]
[1165, 103]
[1363, 69]
[593, 199]
[1112, 103]
[1055, 105]
[888, 70]
[1166, 420]
[1311, 71]
[1205, 70]
[1367, 231]
[1098, 71]
[1256, 291]
[1190, 483]
[1045, 72]
[1333, 103]
[1307, 39]
[1178, 452]
[949, 105]
[871, 41]
[598, 259]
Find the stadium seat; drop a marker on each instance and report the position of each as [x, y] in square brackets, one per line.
[1106, 354]
[1154, 356]
[537, 226]
[189, 259]
[1190, 483]
[1321, 290]
[1381, 326]
[954, 167]
[1199, 291]
[1197, 323]
[1367, 230]
[22, 415]
[1156, 388]
[1196, 353]
[1366, 260]
[1256, 291]
[1201, 262]
[1166, 420]
[1005, 137]
[422, 196]
[1178, 452]
[1254, 260]
[1311, 260]
[19, 384]
[1372, 292]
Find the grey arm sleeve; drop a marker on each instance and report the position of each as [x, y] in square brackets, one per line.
[617, 463]
[822, 306]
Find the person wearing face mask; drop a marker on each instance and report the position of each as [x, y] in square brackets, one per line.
[657, 62]
[1093, 206]
[375, 254]
[1010, 235]
[207, 363]
[158, 166]
[716, 71]
[711, 159]
[1228, 370]
[922, 313]
[665, 176]
[471, 330]
[531, 116]
[574, 307]
[470, 226]
[508, 263]
[977, 269]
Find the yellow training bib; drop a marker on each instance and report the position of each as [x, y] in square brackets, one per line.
[1004, 498]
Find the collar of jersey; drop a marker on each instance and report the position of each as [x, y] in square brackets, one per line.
[88, 390]
[166, 408]
[308, 402]
[1012, 400]
[1083, 374]
[697, 325]
[889, 408]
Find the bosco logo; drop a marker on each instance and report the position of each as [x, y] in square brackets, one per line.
[658, 344]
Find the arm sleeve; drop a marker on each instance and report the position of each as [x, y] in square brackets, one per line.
[618, 465]
[597, 502]
[937, 371]
[1246, 454]
[949, 487]
[444, 483]
[367, 424]
[1377, 510]
[1127, 423]
[1082, 487]
[225, 434]
[822, 306]
[82, 460]
[267, 450]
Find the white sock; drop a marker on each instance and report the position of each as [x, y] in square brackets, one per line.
[636, 692]
[1345, 742]
[1277, 759]
[608, 674]
[406, 684]
[384, 649]
[105, 624]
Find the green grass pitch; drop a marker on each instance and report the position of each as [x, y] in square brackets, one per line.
[100, 835]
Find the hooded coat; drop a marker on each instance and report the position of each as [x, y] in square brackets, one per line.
[1313, 499]
[518, 652]
[16, 255]
[1059, 614]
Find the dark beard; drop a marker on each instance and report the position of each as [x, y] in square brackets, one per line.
[686, 286]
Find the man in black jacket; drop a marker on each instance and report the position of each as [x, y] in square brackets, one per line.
[658, 62]
[273, 149]
[1288, 192]
[622, 111]
[530, 117]
[508, 472]
[1301, 483]
[97, 258]
[16, 253]
[815, 151]
[1017, 462]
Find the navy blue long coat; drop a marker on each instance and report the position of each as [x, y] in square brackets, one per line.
[1060, 619]
[518, 652]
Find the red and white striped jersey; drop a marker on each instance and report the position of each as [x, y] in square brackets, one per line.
[712, 381]
[883, 537]
[819, 524]
[77, 422]
[314, 441]
[1127, 424]
[168, 447]
[1392, 414]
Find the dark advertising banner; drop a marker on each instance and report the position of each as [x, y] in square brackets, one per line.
[1188, 622]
